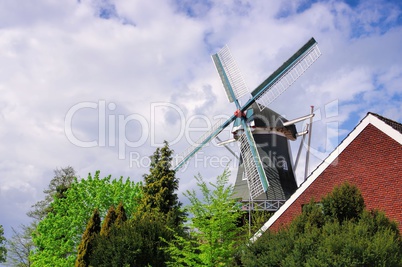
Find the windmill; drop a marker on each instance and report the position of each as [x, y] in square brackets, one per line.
[262, 133]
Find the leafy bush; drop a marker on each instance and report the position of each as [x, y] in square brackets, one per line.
[59, 233]
[337, 232]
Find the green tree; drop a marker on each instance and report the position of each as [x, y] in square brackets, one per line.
[108, 221]
[339, 231]
[3, 249]
[86, 246]
[121, 215]
[213, 226]
[344, 203]
[136, 242]
[160, 187]
[20, 245]
[63, 177]
[59, 233]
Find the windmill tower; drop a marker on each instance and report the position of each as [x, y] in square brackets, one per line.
[271, 139]
[266, 169]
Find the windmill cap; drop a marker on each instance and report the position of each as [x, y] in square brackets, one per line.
[270, 120]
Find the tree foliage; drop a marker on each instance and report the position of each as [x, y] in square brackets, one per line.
[3, 249]
[87, 244]
[114, 218]
[59, 233]
[137, 242]
[121, 215]
[344, 203]
[108, 221]
[63, 177]
[160, 187]
[339, 231]
[213, 227]
[20, 245]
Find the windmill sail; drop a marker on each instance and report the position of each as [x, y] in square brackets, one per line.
[257, 184]
[287, 74]
[179, 160]
[230, 75]
[281, 179]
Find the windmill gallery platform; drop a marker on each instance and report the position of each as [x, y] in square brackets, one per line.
[370, 157]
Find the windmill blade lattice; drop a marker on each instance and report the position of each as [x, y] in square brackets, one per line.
[204, 139]
[288, 74]
[254, 181]
[230, 74]
[264, 94]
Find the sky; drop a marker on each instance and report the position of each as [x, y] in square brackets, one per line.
[99, 84]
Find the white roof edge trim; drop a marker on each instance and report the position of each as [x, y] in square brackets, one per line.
[386, 128]
[368, 119]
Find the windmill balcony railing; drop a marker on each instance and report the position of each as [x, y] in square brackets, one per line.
[262, 205]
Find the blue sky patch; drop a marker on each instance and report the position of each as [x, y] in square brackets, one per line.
[107, 13]
[194, 8]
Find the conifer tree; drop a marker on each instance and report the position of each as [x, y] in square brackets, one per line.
[138, 241]
[108, 221]
[160, 186]
[87, 242]
[121, 215]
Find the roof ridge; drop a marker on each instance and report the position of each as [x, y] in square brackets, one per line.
[394, 124]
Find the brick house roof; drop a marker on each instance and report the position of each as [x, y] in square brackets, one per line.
[396, 125]
[374, 134]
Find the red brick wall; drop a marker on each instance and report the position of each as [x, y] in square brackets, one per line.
[372, 162]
